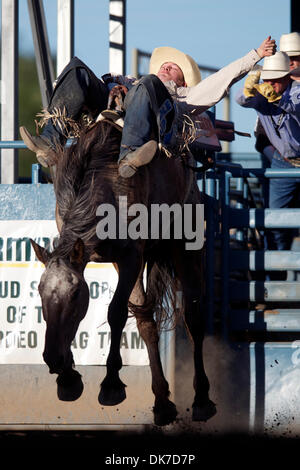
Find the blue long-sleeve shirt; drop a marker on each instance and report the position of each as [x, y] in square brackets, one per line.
[281, 121]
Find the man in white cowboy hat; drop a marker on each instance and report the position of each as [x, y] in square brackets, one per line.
[151, 115]
[290, 44]
[277, 102]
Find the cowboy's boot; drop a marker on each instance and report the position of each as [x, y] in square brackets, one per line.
[77, 90]
[115, 107]
[41, 145]
[115, 117]
[139, 157]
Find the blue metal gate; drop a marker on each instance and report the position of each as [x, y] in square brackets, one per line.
[259, 318]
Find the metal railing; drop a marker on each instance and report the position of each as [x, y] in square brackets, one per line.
[19, 144]
[231, 219]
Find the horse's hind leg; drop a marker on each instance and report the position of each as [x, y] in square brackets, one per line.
[164, 410]
[188, 268]
[203, 407]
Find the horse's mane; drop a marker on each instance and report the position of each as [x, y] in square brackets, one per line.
[85, 174]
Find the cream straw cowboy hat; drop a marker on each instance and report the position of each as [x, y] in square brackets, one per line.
[290, 44]
[277, 66]
[190, 69]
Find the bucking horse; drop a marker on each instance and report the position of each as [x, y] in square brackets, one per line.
[87, 179]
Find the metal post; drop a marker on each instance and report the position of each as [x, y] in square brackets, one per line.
[240, 205]
[42, 49]
[65, 33]
[134, 62]
[295, 16]
[225, 203]
[9, 88]
[226, 117]
[35, 173]
[210, 190]
[117, 36]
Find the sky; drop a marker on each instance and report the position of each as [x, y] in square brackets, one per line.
[213, 32]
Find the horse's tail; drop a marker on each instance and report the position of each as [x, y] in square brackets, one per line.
[163, 299]
[163, 290]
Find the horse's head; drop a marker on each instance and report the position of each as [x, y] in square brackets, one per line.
[65, 299]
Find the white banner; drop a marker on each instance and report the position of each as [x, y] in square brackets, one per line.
[22, 327]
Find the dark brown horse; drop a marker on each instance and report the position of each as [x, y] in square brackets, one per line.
[86, 179]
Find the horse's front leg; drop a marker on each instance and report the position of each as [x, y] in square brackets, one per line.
[112, 389]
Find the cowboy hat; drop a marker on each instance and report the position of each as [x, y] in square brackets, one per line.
[290, 44]
[277, 66]
[189, 68]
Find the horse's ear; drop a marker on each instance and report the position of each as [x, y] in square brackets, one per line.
[42, 254]
[78, 252]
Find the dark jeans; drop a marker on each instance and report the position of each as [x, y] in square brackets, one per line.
[284, 192]
[149, 108]
[279, 193]
[149, 114]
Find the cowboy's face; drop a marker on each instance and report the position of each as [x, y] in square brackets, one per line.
[294, 61]
[170, 71]
[279, 84]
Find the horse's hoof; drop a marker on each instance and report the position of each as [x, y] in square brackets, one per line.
[164, 414]
[112, 395]
[204, 412]
[69, 386]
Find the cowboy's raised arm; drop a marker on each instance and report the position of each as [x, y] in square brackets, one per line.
[211, 90]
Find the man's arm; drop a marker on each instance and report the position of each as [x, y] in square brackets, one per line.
[290, 102]
[256, 102]
[211, 90]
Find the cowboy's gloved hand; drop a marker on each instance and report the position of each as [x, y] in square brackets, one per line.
[116, 97]
[268, 92]
[116, 90]
[251, 80]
